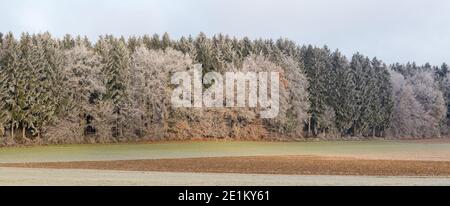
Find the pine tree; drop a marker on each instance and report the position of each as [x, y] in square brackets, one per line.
[384, 98]
[245, 47]
[342, 100]
[223, 53]
[362, 94]
[67, 42]
[133, 43]
[186, 46]
[121, 86]
[205, 53]
[82, 41]
[9, 63]
[155, 42]
[35, 89]
[166, 42]
[49, 98]
[316, 65]
[30, 59]
[102, 47]
[288, 48]
[117, 76]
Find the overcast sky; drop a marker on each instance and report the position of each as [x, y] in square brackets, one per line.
[393, 30]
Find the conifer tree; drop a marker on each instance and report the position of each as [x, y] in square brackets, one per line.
[165, 42]
[384, 98]
[49, 85]
[9, 63]
[186, 46]
[30, 59]
[67, 42]
[50, 95]
[360, 68]
[82, 42]
[133, 43]
[117, 76]
[155, 42]
[316, 63]
[342, 100]
[205, 53]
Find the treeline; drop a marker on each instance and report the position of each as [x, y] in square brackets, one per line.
[72, 90]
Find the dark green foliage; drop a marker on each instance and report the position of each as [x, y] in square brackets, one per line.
[316, 66]
[341, 98]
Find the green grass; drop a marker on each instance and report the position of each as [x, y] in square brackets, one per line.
[374, 149]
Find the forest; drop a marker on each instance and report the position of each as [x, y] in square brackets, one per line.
[117, 89]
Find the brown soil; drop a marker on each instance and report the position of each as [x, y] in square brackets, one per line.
[289, 165]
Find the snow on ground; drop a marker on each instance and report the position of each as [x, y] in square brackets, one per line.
[64, 177]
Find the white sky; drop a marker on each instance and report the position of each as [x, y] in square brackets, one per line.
[393, 30]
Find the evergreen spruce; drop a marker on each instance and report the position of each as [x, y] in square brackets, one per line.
[117, 76]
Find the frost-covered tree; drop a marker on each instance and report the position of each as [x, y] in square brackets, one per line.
[428, 95]
[245, 47]
[297, 103]
[116, 70]
[83, 42]
[186, 46]
[83, 82]
[316, 63]
[31, 59]
[149, 89]
[152, 42]
[133, 43]
[166, 42]
[68, 42]
[70, 91]
[9, 64]
[288, 48]
[33, 97]
[382, 101]
[419, 106]
[441, 72]
[371, 96]
[223, 52]
[205, 53]
[407, 119]
[341, 98]
[50, 93]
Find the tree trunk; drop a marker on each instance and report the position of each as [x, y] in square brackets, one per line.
[12, 131]
[121, 130]
[319, 131]
[309, 126]
[23, 133]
